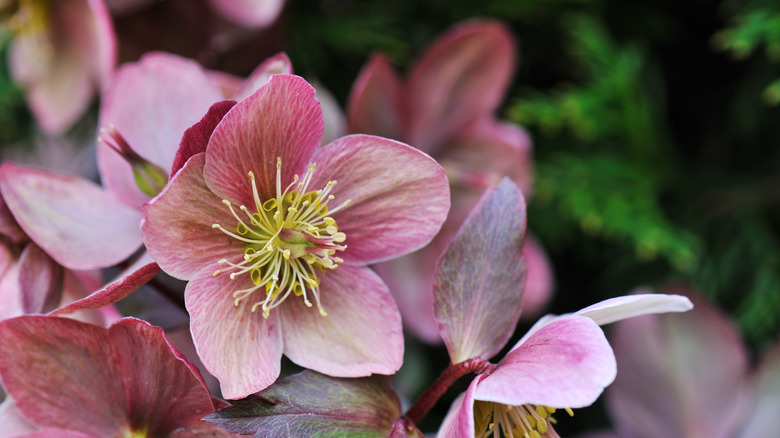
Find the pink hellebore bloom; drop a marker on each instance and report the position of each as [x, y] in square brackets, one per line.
[76, 380]
[563, 362]
[690, 377]
[274, 234]
[61, 54]
[446, 109]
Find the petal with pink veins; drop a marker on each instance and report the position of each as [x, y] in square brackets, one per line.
[361, 333]
[74, 220]
[459, 421]
[239, 347]
[399, 197]
[375, 99]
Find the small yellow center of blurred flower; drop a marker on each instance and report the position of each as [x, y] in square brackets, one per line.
[499, 420]
[287, 240]
[26, 19]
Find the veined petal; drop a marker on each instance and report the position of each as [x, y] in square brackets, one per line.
[629, 306]
[177, 225]
[280, 120]
[239, 347]
[460, 78]
[566, 363]
[763, 419]
[41, 280]
[459, 421]
[375, 99]
[278, 64]
[151, 103]
[74, 220]
[361, 335]
[399, 197]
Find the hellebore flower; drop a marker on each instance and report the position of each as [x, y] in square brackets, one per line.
[62, 52]
[563, 362]
[446, 109]
[690, 376]
[274, 233]
[72, 379]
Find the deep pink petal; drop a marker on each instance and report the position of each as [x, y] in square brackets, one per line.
[239, 347]
[399, 197]
[566, 363]
[278, 64]
[249, 13]
[151, 103]
[460, 78]
[375, 99]
[629, 306]
[762, 421]
[196, 137]
[478, 288]
[280, 120]
[177, 225]
[41, 280]
[360, 335]
[680, 375]
[74, 220]
[459, 421]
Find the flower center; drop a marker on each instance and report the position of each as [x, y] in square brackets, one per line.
[26, 18]
[526, 421]
[287, 241]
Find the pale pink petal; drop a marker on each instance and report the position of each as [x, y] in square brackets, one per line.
[151, 103]
[360, 335]
[478, 287]
[280, 120]
[566, 363]
[399, 197]
[463, 76]
[14, 424]
[616, 309]
[249, 13]
[41, 280]
[375, 99]
[75, 287]
[196, 138]
[539, 280]
[278, 64]
[9, 228]
[335, 122]
[177, 225]
[762, 421]
[459, 421]
[74, 220]
[679, 375]
[239, 347]
[10, 292]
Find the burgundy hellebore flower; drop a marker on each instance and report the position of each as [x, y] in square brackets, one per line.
[274, 234]
[446, 109]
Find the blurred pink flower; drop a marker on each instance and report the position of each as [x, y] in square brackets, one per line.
[563, 362]
[62, 53]
[446, 109]
[252, 224]
[249, 13]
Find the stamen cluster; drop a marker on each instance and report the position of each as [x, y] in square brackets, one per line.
[500, 420]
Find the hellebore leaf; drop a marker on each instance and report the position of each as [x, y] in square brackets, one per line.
[310, 404]
[478, 288]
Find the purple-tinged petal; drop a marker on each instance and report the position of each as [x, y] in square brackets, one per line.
[151, 103]
[539, 279]
[459, 421]
[616, 309]
[112, 292]
[14, 424]
[375, 99]
[9, 228]
[280, 120]
[478, 289]
[177, 225]
[566, 363]
[679, 375]
[74, 220]
[399, 197]
[249, 13]
[41, 280]
[762, 421]
[278, 64]
[202, 429]
[196, 137]
[361, 335]
[10, 292]
[460, 78]
[239, 347]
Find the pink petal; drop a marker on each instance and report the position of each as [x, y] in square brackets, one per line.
[680, 375]
[459, 421]
[196, 137]
[763, 420]
[478, 287]
[460, 78]
[9, 228]
[14, 424]
[616, 309]
[566, 363]
[177, 225]
[151, 103]
[360, 335]
[41, 280]
[77, 223]
[278, 64]
[375, 99]
[281, 120]
[399, 196]
[249, 13]
[10, 292]
[239, 347]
